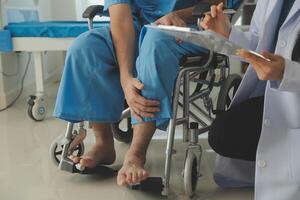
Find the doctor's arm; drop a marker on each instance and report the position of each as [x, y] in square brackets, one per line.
[218, 22]
[124, 36]
[282, 73]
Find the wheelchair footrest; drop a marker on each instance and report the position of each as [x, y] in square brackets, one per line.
[151, 185]
[68, 166]
[98, 170]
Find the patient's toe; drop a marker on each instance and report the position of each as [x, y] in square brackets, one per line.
[75, 159]
[121, 179]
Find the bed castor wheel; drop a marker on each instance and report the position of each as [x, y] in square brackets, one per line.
[190, 173]
[36, 107]
[56, 150]
[152, 185]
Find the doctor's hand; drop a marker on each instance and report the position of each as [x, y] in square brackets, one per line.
[217, 21]
[265, 70]
[171, 19]
[139, 106]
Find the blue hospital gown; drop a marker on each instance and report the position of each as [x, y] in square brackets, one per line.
[90, 88]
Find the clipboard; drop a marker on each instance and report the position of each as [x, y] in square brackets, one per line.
[203, 38]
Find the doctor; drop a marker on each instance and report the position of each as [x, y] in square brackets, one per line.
[259, 136]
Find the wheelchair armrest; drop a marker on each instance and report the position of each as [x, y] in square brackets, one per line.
[201, 59]
[194, 60]
[201, 8]
[92, 11]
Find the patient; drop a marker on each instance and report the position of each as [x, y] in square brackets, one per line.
[107, 65]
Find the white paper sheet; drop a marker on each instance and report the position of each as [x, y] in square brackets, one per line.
[206, 39]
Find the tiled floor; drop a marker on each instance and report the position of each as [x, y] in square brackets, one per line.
[26, 172]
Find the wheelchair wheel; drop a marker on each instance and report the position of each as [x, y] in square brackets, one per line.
[123, 134]
[56, 150]
[190, 174]
[227, 92]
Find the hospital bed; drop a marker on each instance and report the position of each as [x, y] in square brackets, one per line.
[200, 69]
[37, 38]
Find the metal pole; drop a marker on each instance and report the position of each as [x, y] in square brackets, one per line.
[172, 123]
[186, 105]
[39, 72]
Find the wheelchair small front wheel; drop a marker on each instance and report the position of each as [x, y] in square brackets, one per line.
[227, 91]
[190, 174]
[56, 150]
[123, 130]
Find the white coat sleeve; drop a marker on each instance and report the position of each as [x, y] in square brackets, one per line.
[291, 78]
[249, 39]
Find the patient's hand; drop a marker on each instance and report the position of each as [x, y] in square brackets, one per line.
[139, 106]
[217, 21]
[171, 19]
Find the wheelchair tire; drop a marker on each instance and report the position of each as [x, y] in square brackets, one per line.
[227, 92]
[56, 149]
[123, 135]
[190, 174]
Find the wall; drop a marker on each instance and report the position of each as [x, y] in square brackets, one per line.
[58, 9]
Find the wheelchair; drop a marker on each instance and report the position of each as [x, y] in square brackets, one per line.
[201, 70]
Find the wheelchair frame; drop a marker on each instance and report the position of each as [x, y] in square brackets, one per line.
[190, 68]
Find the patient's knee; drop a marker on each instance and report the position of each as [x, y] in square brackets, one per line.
[81, 45]
[156, 43]
[91, 50]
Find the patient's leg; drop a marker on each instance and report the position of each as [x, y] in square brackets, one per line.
[133, 166]
[90, 90]
[102, 152]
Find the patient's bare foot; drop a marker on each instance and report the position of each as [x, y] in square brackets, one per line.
[133, 170]
[98, 154]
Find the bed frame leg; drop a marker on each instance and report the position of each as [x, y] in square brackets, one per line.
[39, 72]
[37, 103]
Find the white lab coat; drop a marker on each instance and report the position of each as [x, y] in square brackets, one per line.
[277, 166]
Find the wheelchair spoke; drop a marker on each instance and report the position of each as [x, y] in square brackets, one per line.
[58, 153]
[77, 148]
